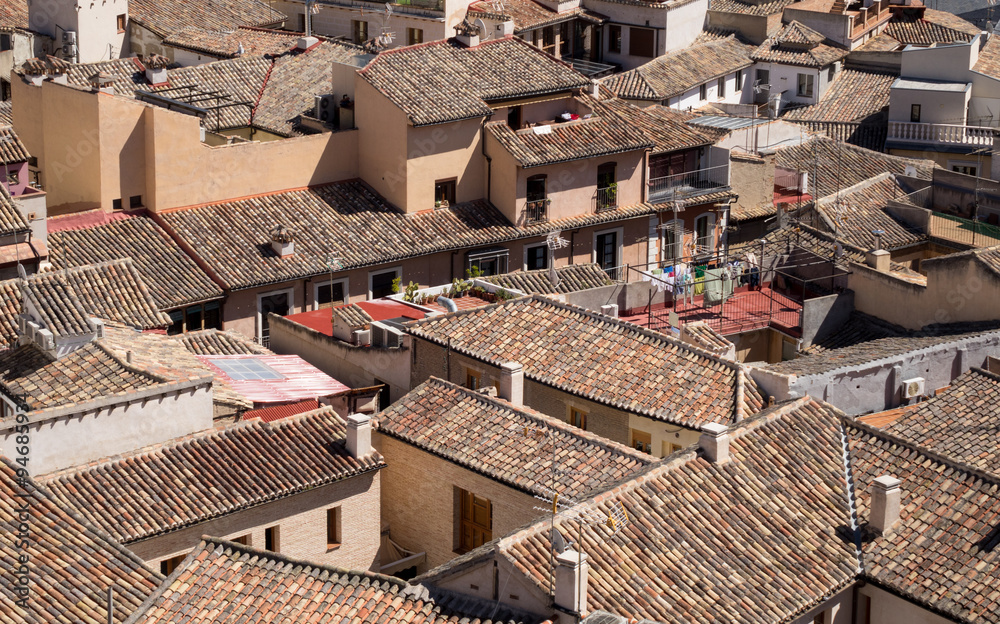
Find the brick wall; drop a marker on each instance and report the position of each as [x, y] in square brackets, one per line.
[418, 500]
[301, 519]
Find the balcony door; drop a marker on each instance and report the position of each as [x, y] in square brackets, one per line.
[607, 251]
[279, 303]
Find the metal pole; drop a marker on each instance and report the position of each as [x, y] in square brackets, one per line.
[111, 605]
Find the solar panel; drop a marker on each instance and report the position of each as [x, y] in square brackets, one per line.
[249, 369]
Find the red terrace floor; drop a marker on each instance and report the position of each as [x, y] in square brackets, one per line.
[379, 310]
[745, 311]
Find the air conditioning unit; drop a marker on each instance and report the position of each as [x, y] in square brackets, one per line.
[386, 336]
[324, 108]
[913, 388]
[69, 36]
[69, 50]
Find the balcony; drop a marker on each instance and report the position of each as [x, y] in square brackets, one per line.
[536, 211]
[416, 7]
[940, 134]
[606, 198]
[688, 184]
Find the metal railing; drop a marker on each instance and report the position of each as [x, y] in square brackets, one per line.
[606, 198]
[969, 231]
[940, 133]
[618, 273]
[536, 211]
[688, 183]
[426, 5]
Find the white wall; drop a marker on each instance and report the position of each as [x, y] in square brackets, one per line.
[784, 80]
[95, 23]
[692, 98]
[887, 608]
[949, 63]
[677, 28]
[940, 107]
[335, 21]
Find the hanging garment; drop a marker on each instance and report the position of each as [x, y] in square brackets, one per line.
[713, 286]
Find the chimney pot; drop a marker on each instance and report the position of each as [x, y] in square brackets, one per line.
[571, 581]
[359, 435]
[714, 442]
[885, 503]
[512, 383]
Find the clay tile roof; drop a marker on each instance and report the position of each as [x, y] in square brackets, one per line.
[192, 479]
[943, 554]
[11, 220]
[353, 315]
[858, 328]
[155, 61]
[707, 338]
[486, 435]
[854, 95]
[72, 563]
[960, 423]
[529, 15]
[990, 258]
[231, 583]
[860, 210]
[607, 132]
[797, 44]
[226, 44]
[90, 372]
[734, 532]
[934, 27]
[56, 305]
[14, 15]
[11, 149]
[572, 278]
[745, 7]
[989, 58]
[165, 17]
[444, 81]
[7, 113]
[216, 342]
[172, 277]
[604, 360]
[675, 73]
[665, 127]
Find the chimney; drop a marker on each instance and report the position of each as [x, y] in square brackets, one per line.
[595, 89]
[714, 442]
[359, 435]
[571, 582]
[467, 34]
[282, 241]
[34, 71]
[610, 310]
[884, 513]
[878, 260]
[304, 43]
[102, 82]
[156, 69]
[58, 70]
[512, 383]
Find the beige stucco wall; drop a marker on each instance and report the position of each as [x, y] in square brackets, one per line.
[887, 608]
[301, 519]
[382, 143]
[442, 152]
[87, 434]
[419, 500]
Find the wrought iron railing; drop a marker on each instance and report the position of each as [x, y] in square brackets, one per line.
[607, 198]
[536, 211]
[688, 183]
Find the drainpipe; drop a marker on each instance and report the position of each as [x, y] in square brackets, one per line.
[489, 163]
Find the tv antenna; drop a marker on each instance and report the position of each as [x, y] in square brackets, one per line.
[498, 7]
[385, 37]
[554, 241]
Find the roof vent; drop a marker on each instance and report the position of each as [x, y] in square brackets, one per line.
[512, 383]
[714, 442]
[571, 581]
[359, 435]
[282, 241]
[885, 503]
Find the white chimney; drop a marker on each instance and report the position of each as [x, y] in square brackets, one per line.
[878, 260]
[304, 43]
[610, 310]
[156, 69]
[714, 442]
[595, 89]
[512, 383]
[359, 435]
[571, 582]
[282, 241]
[885, 503]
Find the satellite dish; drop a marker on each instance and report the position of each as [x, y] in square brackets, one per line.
[484, 33]
[21, 272]
[910, 171]
[558, 541]
[838, 251]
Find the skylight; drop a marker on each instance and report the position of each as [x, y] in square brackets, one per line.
[248, 369]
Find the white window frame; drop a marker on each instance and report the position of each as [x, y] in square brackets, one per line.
[398, 270]
[260, 317]
[810, 81]
[317, 285]
[525, 254]
[679, 244]
[711, 231]
[618, 251]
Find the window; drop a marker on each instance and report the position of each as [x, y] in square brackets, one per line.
[549, 39]
[915, 113]
[614, 38]
[578, 418]
[444, 192]
[414, 36]
[121, 23]
[514, 117]
[642, 441]
[703, 232]
[805, 85]
[279, 303]
[831, 73]
[135, 201]
[475, 521]
[169, 565]
[271, 539]
[333, 528]
[564, 38]
[473, 379]
[722, 87]
[381, 284]
[5, 43]
[640, 42]
[536, 188]
[966, 169]
[668, 448]
[536, 258]
[329, 294]
[819, 618]
[302, 23]
[607, 251]
[116, 204]
[672, 244]
[360, 31]
[195, 318]
[763, 76]
[703, 92]
[242, 539]
[488, 262]
[384, 398]
[739, 80]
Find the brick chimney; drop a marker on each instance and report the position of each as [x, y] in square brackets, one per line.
[571, 582]
[512, 383]
[359, 435]
[714, 442]
[885, 503]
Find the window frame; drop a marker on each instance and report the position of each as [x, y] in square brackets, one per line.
[669, 228]
[334, 528]
[168, 565]
[121, 21]
[709, 220]
[359, 31]
[499, 255]
[703, 92]
[808, 89]
[614, 38]
[462, 520]
[414, 36]
[645, 438]
[915, 110]
[450, 188]
[261, 296]
[343, 281]
[398, 270]
[619, 248]
[643, 45]
[272, 538]
[576, 415]
[545, 255]
[739, 79]
[720, 88]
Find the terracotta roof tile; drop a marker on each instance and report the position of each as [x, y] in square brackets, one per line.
[529, 15]
[604, 360]
[444, 81]
[223, 582]
[934, 27]
[206, 475]
[165, 17]
[989, 58]
[744, 7]
[572, 278]
[226, 44]
[854, 95]
[665, 127]
[12, 222]
[859, 328]
[218, 342]
[797, 44]
[505, 443]
[11, 149]
[171, 276]
[675, 73]
[353, 315]
[72, 563]
[860, 211]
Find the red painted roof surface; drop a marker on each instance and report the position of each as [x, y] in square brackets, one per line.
[379, 310]
[318, 320]
[300, 379]
[788, 197]
[277, 412]
[84, 220]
